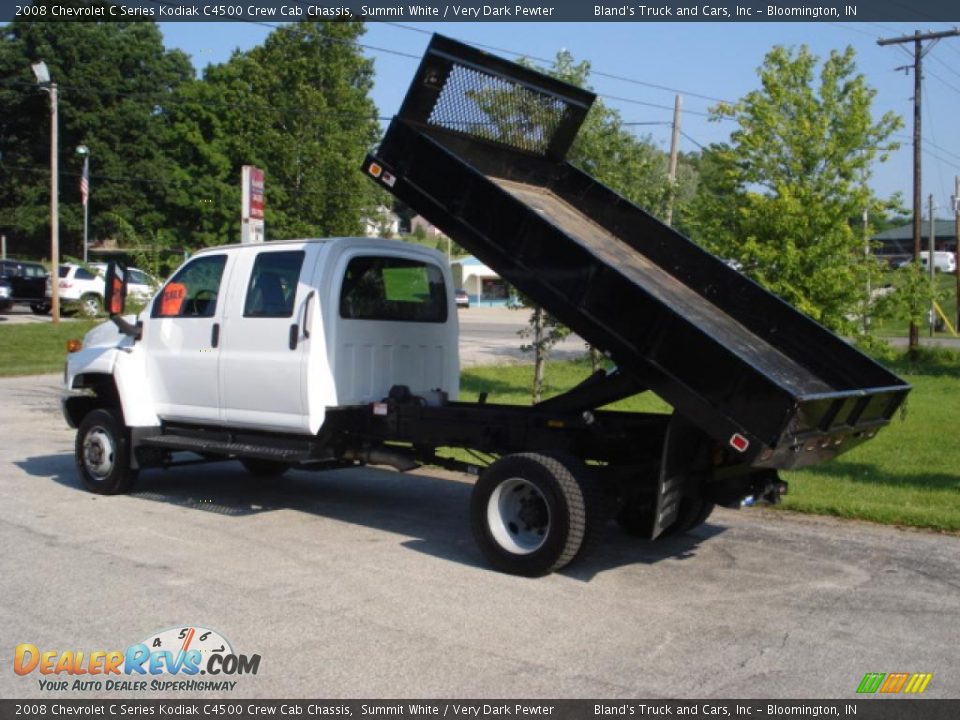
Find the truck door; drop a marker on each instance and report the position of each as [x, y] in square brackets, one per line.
[182, 341]
[394, 328]
[263, 341]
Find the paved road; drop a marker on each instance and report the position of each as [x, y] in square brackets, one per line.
[490, 336]
[367, 584]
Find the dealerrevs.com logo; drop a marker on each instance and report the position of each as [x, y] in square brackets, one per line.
[190, 658]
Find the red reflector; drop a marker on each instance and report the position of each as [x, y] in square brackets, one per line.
[739, 443]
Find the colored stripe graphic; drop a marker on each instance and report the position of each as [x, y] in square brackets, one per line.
[871, 682]
[918, 682]
[914, 683]
[894, 682]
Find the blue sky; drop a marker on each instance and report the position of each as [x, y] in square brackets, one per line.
[717, 60]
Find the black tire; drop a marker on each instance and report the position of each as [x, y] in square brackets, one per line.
[264, 468]
[692, 514]
[102, 453]
[40, 308]
[533, 513]
[636, 517]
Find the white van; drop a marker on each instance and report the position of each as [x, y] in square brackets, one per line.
[943, 261]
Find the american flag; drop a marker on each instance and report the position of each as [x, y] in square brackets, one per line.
[84, 185]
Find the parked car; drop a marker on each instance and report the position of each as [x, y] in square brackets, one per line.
[82, 287]
[27, 281]
[463, 300]
[140, 285]
[6, 296]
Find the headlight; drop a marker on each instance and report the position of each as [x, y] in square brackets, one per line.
[4, 291]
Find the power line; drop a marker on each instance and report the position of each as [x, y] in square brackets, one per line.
[937, 77]
[941, 62]
[692, 140]
[597, 73]
[856, 30]
[926, 101]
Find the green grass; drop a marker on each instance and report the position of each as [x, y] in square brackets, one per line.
[35, 348]
[908, 475]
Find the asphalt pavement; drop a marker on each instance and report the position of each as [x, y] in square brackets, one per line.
[366, 583]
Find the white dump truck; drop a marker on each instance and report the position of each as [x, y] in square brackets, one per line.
[320, 354]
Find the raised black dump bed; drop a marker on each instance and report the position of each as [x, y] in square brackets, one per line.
[479, 150]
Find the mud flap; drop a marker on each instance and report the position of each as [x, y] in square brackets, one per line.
[685, 452]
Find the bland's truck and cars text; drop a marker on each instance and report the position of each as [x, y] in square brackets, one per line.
[319, 354]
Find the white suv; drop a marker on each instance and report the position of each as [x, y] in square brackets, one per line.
[84, 287]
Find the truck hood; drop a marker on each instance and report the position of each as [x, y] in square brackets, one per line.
[108, 335]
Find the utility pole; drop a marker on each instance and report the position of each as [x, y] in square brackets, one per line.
[866, 253]
[54, 208]
[931, 254]
[918, 52]
[674, 150]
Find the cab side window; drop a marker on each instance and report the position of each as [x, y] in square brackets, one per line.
[397, 289]
[192, 292]
[273, 284]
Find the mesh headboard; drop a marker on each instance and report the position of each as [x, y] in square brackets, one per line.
[462, 90]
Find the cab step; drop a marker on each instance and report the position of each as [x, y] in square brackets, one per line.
[222, 447]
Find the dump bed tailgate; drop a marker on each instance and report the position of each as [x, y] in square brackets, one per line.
[478, 149]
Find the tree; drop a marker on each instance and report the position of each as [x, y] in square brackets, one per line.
[115, 81]
[299, 108]
[781, 195]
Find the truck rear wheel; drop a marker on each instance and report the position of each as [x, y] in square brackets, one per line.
[102, 453]
[264, 468]
[533, 513]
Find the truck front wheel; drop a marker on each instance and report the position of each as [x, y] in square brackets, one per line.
[533, 513]
[102, 453]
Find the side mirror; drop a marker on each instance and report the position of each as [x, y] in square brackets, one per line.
[115, 290]
[115, 298]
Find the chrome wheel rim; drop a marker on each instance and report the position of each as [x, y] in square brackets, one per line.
[91, 307]
[518, 516]
[98, 453]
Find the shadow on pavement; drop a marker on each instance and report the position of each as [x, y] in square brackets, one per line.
[431, 511]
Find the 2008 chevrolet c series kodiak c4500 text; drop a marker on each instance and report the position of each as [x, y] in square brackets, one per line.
[319, 354]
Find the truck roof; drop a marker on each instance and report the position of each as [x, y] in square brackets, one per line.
[377, 243]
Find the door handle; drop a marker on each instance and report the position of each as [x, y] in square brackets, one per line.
[306, 314]
[215, 335]
[294, 336]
